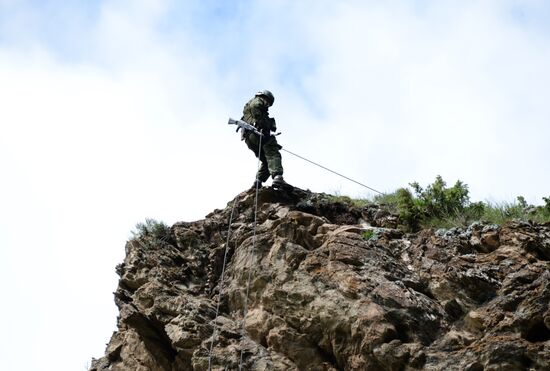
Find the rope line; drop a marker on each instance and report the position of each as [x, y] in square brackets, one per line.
[214, 333]
[332, 171]
[245, 309]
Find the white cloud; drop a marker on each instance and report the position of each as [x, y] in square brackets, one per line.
[91, 151]
[454, 92]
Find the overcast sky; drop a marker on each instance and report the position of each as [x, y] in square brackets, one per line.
[116, 111]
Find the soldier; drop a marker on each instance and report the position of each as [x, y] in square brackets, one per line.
[255, 112]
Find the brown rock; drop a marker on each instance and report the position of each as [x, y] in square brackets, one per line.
[315, 295]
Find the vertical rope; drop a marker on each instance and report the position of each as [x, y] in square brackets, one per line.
[245, 310]
[214, 333]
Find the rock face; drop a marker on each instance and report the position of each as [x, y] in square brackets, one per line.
[328, 291]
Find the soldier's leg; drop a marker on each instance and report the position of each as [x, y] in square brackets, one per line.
[252, 141]
[263, 172]
[273, 156]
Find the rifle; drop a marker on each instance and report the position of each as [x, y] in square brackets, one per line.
[243, 125]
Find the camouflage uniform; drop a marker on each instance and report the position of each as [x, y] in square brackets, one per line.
[255, 112]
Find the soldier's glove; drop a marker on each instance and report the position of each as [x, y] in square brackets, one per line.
[272, 124]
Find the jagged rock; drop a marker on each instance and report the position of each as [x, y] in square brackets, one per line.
[307, 291]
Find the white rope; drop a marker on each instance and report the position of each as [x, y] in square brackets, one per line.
[245, 310]
[332, 171]
[214, 333]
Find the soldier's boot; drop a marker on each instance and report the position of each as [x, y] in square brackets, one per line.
[279, 182]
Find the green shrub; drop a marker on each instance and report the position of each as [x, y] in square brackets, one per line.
[438, 201]
[521, 201]
[474, 211]
[408, 209]
[388, 200]
[152, 230]
[439, 206]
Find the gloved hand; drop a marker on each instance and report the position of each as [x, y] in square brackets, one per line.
[272, 124]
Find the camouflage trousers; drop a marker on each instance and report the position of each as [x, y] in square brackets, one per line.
[269, 155]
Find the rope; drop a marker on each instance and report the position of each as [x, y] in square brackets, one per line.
[245, 310]
[235, 201]
[332, 171]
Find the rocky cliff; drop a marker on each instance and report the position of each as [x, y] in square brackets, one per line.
[331, 287]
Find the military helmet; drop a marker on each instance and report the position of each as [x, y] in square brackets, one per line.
[267, 94]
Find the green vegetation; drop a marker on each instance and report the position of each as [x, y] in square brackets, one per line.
[436, 206]
[152, 231]
[440, 206]
[354, 202]
[369, 234]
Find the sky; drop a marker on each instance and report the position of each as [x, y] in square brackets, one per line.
[112, 112]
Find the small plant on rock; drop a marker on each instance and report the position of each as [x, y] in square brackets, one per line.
[369, 234]
[151, 231]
